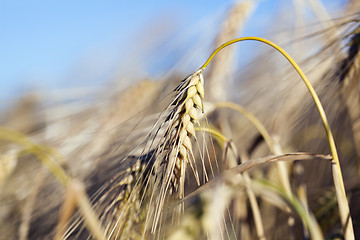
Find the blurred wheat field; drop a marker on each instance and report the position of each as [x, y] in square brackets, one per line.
[225, 152]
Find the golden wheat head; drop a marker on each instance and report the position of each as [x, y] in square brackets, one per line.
[175, 152]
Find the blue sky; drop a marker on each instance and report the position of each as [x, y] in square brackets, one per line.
[46, 44]
[42, 41]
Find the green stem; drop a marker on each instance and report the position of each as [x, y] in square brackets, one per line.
[213, 132]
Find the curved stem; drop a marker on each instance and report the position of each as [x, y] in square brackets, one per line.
[344, 211]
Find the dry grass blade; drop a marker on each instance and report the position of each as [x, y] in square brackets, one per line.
[285, 157]
[228, 174]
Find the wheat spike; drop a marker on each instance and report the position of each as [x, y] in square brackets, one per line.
[182, 129]
[118, 203]
[175, 152]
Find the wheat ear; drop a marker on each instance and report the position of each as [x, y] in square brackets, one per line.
[120, 206]
[175, 153]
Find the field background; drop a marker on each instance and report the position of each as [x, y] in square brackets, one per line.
[89, 80]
